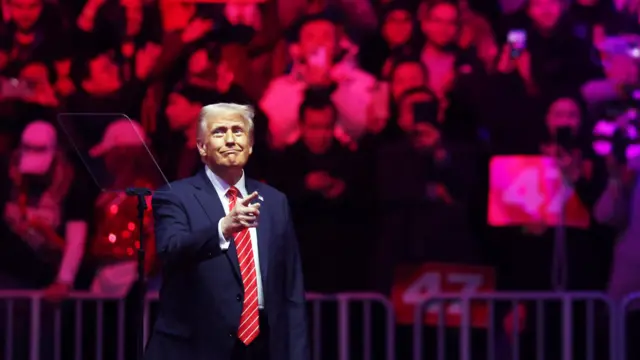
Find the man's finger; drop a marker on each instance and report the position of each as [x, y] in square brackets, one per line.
[253, 207]
[246, 218]
[249, 224]
[251, 212]
[247, 200]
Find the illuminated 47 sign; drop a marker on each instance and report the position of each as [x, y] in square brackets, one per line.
[530, 189]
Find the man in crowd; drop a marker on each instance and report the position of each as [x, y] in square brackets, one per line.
[322, 179]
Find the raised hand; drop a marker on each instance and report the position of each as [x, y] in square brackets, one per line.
[243, 215]
[196, 29]
[146, 59]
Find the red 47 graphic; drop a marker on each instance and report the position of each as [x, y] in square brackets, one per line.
[414, 283]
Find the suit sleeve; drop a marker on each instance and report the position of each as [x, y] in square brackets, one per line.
[175, 240]
[296, 302]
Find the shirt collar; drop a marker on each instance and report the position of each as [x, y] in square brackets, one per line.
[222, 187]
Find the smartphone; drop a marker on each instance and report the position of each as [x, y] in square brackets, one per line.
[318, 58]
[426, 112]
[517, 39]
[564, 137]
[12, 88]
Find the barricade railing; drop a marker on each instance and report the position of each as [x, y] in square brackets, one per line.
[344, 317]
[367, 300]
[567, 301]
[630, 303]
[342, 305]
[51, 331]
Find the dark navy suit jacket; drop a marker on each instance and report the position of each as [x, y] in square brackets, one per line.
[201, 295]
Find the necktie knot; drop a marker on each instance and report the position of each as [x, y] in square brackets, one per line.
[232, 193]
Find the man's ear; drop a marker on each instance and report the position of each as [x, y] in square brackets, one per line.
[201, 149]
[250, 150]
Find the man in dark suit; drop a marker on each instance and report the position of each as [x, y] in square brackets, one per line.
[232, 290]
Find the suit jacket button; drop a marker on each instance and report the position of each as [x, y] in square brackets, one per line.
[238, 297]
[209, 255]
[230, 335]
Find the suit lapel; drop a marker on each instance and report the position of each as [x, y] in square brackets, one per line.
[208, 198]
[263, 229]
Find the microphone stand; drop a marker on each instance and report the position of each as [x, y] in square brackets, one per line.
[140, 194]
[559, 271]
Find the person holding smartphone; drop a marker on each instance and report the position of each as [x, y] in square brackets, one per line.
[322, 58]
[426, 184]
[551, 55]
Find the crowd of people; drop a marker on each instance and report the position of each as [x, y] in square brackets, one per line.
[381, 120]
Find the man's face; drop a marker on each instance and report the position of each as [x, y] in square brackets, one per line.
[545, 13]
[407, 76]
[397, 27]
[103, 68]
[198, 62]
[563, 112]
[406, 119]
[315, 35]
[35, 74]
[317, 129]
[441, 24]
[181, 113]
[226, 142]
[25, 13]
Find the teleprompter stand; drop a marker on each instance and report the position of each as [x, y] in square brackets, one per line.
[141, 284]
[120, 134]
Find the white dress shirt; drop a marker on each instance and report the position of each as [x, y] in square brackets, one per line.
[221, 189]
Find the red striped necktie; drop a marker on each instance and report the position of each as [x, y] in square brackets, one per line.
[249, 324]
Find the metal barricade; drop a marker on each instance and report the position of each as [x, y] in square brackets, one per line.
[51, 332]
[631, 303]
[367, 300]
[316, 301]
[567, 302]
[344, 316]
[349, 313]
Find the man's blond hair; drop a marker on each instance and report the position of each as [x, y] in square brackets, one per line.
[219, 110]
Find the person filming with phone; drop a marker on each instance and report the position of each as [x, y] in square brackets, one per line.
[437, 178]
[426, 185]
[322, 57]
[542, 48]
